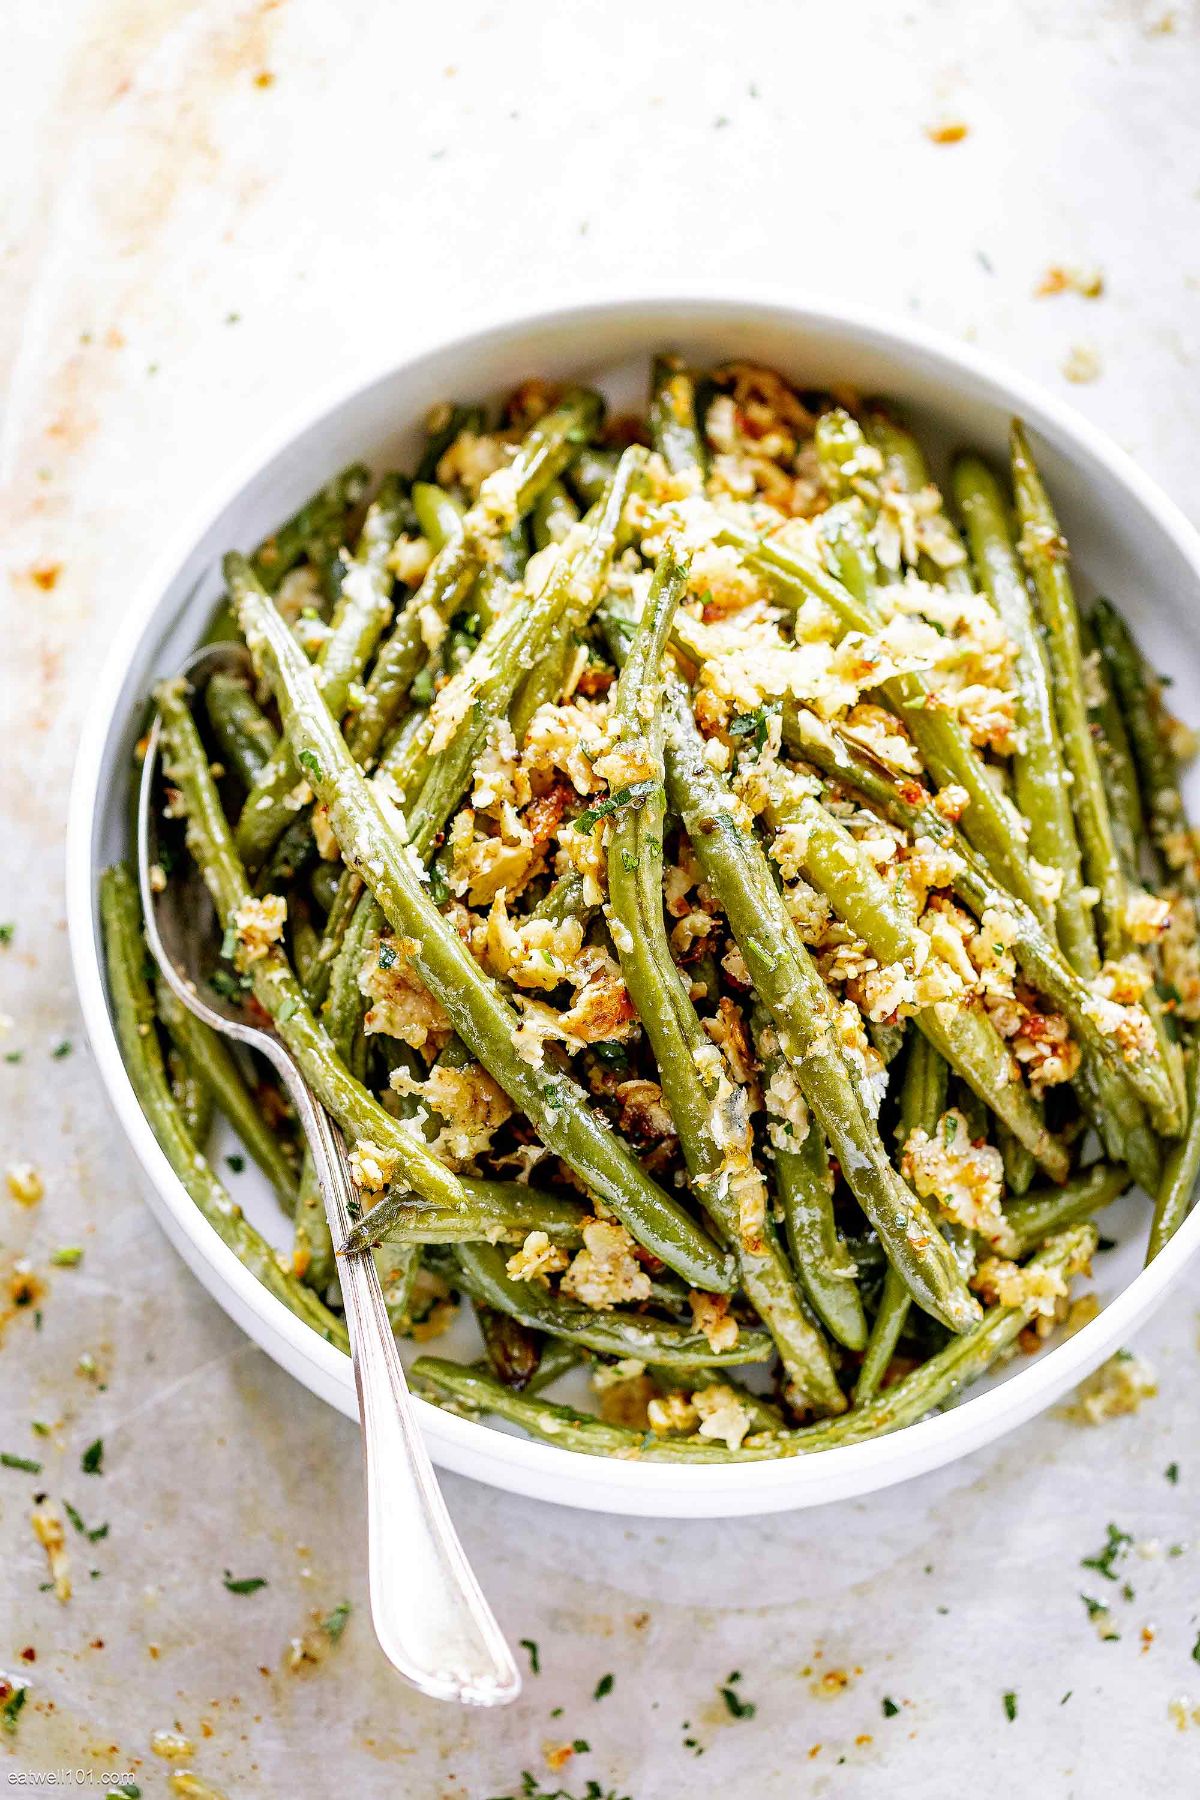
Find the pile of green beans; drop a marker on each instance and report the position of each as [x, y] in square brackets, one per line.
[606, 830]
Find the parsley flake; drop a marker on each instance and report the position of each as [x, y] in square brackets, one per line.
[11, 1710]
[93, 1457]
[1010, 1707]
[25, 1464]
[94, 1535]
[335, 1622]
[535, 1661]
[248, 1584]
[1105, 1561]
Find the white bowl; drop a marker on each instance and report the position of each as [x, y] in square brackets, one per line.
[1129, 540]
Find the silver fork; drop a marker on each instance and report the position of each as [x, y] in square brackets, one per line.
[430, 1616]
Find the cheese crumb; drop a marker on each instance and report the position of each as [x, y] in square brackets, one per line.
[605, 1272]
[25, 1184]
[259, 924]
[536, 1260]
[1118, 1386]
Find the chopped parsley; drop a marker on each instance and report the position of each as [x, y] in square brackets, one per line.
[229, 985]
[94, 1535]
[1172, 1473]
[1010, 1707]
[248, 1584]
[61, 1050]
[93, 1457]
[335, 1622]
[633, 795]
[25, 1464]
[128, 1790]
[755, 726]
[236, 1163]
[603, 1686]
[889, 1707]
[67, 1256]
[535, 1661]
[6, 933]
[532, 1789]
[309, 761]
[11, 1710]
[736, 1707]
[611, 1054]
[14, 1056]
[387, 955]
[1105, 1561]
[1196, 1651]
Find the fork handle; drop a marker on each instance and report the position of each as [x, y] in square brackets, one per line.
[430, 1615]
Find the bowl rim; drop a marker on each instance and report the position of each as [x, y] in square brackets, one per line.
[471, 1446]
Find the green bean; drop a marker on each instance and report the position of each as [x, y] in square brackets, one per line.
[800, 1006]
[1157, 774]
[1036, 1215]
[1043, 791]
[363, 612]
[846, 545]
[545, 451]
[207, 1053]
[1044, 553]
[945, 747]
[133, 1015]
[1019, 1163]
[564, 899]
[804, 1184]
[306, 944]
[512, 1350]
[965, 1036]
[553, 515]
[444, 425]
[507, 656]
[674, 432]
[342, 909]
[1129, 831]
[481, 1274]
[275, 986]
[907, 804]
[905, 465]
[938, 1381]
[324, 884]
[480, 695]
[558, 1109]
[313, 1257]
[707, 1106]
[590, 473]
[246, 740]
[492, 1212]
[576, 597]
[439, 514]
[1117, 770]
[293, 855]
[922, 1102]
[838, 442]
[556, 1359]
[1180, 1171]
[194, 1100]
[319, 524]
